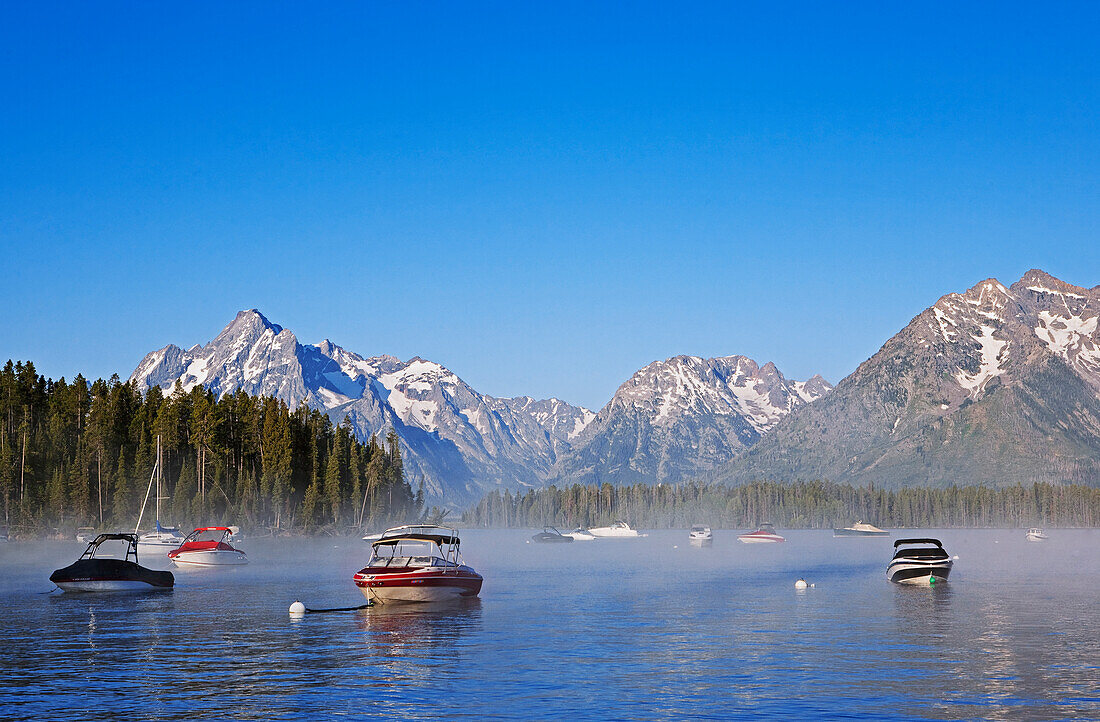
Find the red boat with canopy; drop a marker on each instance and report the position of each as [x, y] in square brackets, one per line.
[416, 563]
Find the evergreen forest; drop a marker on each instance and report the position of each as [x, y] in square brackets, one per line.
[807, 505]
[78, 454]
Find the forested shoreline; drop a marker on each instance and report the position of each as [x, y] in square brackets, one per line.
[810, 505]
[79, 454]
[75, 454]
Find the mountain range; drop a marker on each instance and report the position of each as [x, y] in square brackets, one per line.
[997, 385]
[672, 418]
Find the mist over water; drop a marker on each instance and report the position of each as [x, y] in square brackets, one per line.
[628, 628]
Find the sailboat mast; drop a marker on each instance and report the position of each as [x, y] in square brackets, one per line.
[158, 478]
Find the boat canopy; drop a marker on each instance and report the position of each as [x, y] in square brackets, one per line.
[436, 534]
[899, 542]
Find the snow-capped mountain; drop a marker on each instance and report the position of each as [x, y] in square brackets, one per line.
[996, 385]
[684, 415]
[461, 442]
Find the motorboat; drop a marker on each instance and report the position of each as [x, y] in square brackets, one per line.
[1035, 534]
[860, 529]
[700, 535]
[620, 529]
[550, 535]
[85, 534]
[913, 564]
[236, 536]
[417, 563]
[91, 573]
[764, 535]
[208, 546]
[162, 539]
[580, 534]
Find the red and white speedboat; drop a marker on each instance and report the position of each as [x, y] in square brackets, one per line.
[208, 546]
[764, 535]
[416, 563]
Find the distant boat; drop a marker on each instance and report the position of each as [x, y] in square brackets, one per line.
[860, 529]
[764, 535]
[580, 534]
[1035, 534]
[919, 565]
[700, 535]
[90, 573]
[85, 534]
[550, 535]
[620, 529]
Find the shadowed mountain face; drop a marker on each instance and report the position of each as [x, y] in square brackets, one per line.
[673, 418]
[677, 418]
[994, 386]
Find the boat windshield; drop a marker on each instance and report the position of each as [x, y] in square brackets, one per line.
[216, 534]
[409, 553]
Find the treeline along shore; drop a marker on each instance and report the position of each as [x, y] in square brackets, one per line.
[78, 454]
[807, 505]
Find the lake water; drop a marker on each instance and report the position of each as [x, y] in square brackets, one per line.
[613, 629]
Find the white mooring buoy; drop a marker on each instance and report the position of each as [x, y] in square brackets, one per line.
[801, 584]
[297, 609]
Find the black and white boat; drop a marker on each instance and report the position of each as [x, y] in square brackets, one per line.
[915, 564]
[550, 535]
[90, 573]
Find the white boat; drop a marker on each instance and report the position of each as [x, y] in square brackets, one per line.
[208, 546]
[618, 530]
[580, 534]
[764, 535]
[860, 528]
[1035, 534]
[700, 535]
[162, 539]
[416, 563]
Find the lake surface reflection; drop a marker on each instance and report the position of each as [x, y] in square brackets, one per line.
[646, 628]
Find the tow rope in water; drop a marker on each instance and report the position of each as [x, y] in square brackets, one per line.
[300, 610]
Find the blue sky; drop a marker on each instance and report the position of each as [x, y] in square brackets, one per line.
[544, 198]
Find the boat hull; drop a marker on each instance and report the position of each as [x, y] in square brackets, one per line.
[918, 572]
[614, 533]
[212, 558]
[701, 541]
[854, 532]
[157, 548]
[760, 539]
[428, 585]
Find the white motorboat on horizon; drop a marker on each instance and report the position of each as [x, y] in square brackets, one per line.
[619, 530]
[700, 535]
[1035, 534]
[860, 528]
